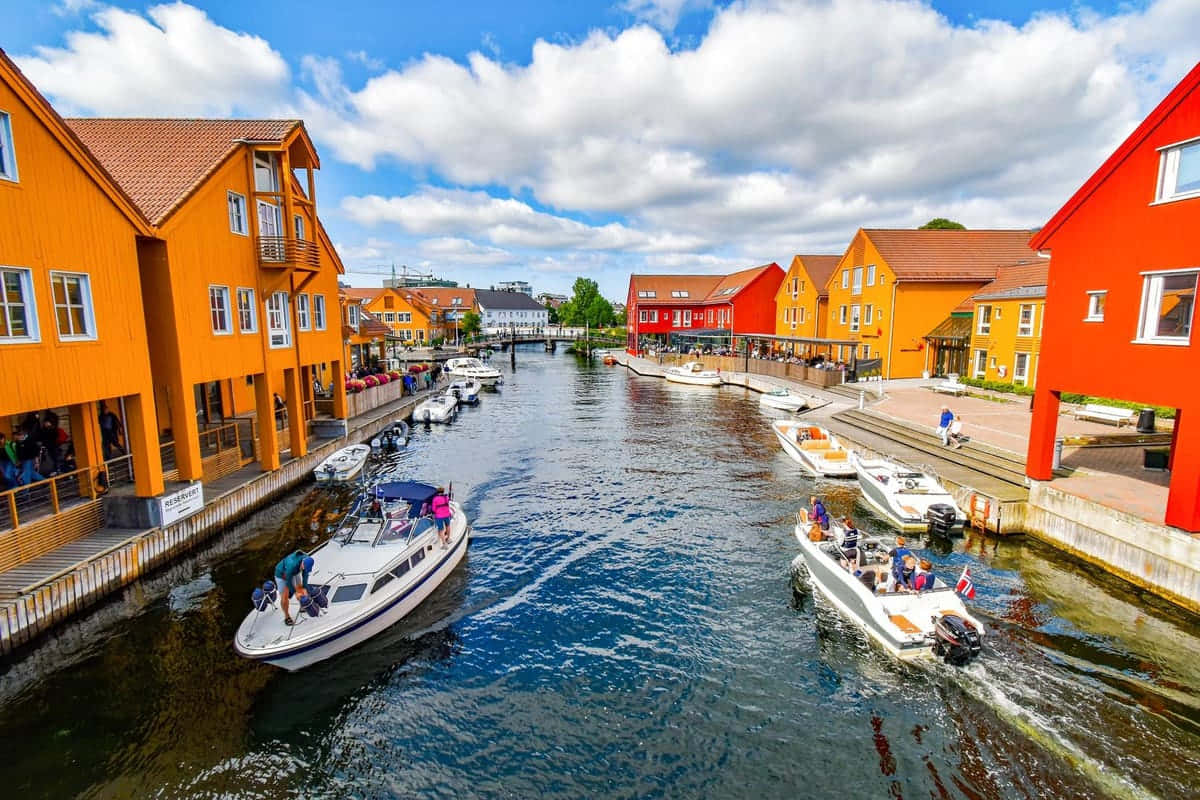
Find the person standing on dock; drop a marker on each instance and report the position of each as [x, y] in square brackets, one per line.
[943, 428]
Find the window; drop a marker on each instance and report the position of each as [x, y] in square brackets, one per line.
[247, 314]
[389, 316]
[1096, 306]
[1021, 369]
[854, 318]
[266, 177]
[389, 301]
[868, 314]
[72, 305]
[1025, 321]
[646, 293]
[654, 315]
[802, 313]
[279, 323]
[842, 316]
[457, 301]
[845, 279]
[1179, 171]
[676, 318]
[18, 312]
[237, 213]
[856, 287]
[980, 363]
[1167, 302]
[8, 156]
[985, 320]
[643, 316]
[679, 293]
[801, 287]
[870, 275]
[354, 316]
[348, 592]
[418, 556]
[879, 315]
[687, 319]
[882, 279]
[710, 316]
[406, 333]
[319, 311]
[381, 582]
[218, 308]
[403, 316]
[866, 351]
[795, 287]
[302, 318]
[298, 224]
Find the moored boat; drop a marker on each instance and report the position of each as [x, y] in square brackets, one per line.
[384, 560]
[932, 623]
[440, 408]
[467, 367]
[344, 465]
[465, 390]
[784, 400]
[693, 373]
[391, 438]
[903, 495]
[814, 448]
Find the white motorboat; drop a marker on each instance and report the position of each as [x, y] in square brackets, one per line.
[693, 373]
[905, 496]
[466, 391]
[784, 400]
[344, 465]
[381, 564]
[467, 367]
[932, 623]
[440, 408]
[814, 448]
[391, 438]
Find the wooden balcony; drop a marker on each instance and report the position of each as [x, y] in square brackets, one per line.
[281, 252]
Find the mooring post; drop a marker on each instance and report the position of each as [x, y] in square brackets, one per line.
[587, 340]
[512, 345]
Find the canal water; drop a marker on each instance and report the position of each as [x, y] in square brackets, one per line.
[626, 624]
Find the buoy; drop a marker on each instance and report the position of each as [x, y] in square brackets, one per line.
[258, 599]
[269, 590]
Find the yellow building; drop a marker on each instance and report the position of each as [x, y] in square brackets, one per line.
[802, 301]
[891, 288]
[410, 318]
[1006, 326]
[451, 304]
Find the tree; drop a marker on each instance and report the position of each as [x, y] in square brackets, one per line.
[586, 306]
[942, 224]
[470, 324]
[552, 317]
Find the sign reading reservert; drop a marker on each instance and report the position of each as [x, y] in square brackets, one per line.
[184, 503]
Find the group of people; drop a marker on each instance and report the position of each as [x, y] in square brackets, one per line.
[950, 428]
[906, 573]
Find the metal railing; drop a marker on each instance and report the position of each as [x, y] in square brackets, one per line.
[23, 504]
[283, 251]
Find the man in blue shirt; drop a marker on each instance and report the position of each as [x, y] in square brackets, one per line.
[291, 576]
[943, 428]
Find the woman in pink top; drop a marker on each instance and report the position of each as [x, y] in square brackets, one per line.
[442, 513]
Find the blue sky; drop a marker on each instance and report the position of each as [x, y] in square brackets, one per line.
[487, 141]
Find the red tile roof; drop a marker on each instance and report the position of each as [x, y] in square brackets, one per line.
[445, 294]
[362, 294]
[1029, 279]
[950, 256]
[819, 269]
[700, 288]
[160, 162]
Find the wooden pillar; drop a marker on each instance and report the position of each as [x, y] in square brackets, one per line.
[268, 437]
[142, 426]
[297, 427]
[338, 373]
[186, 432]
[1183, 502]
[1039, 462]
[85, 433]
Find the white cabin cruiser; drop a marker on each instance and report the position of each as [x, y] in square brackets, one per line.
[391, 438]
[814, 448]
[467, 367]
[693, 373]
[344, 465]
[903, 495]
[440, 408]
[381, 564]
[465, 390]
[932, 623]
[784, 400]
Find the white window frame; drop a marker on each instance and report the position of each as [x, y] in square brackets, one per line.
[842, 316]
[1168, 171]
[687, 318]
[8, 153]
[870, 274]
[845, 279]
[1152, 299]
[216, 291]
[643, 315]
[28, 305]
[1021, 376]
[303, 319]
[979, 355]
[676, 318]
[856, 281]
[1023, 328]
[279, 320]
[868, 313]
[318, 312]
[353, 315]
[298, 226]
[654, 315]
[855, 318]
[238, 221]
[983, 320]
[709, 316]
[801, 315]
[866, 351]
[86, 306]
[1096, 301]
[247, 311]
[267, 162]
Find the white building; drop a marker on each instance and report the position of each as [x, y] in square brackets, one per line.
[515, 286]
[504, 310]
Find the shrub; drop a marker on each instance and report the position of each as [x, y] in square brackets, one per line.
[1164, 412]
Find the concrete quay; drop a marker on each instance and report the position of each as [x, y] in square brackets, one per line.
[51, 589]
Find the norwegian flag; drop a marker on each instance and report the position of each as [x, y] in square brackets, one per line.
[965, 587]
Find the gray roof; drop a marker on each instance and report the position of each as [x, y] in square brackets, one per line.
[506, 301]
[1019, 291]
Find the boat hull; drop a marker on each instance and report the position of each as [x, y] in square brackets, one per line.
[693, 380]
[784, 432]
[783, 402]
[344, 465]
[893, 507]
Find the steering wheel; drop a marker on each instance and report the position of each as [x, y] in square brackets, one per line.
[909, 483]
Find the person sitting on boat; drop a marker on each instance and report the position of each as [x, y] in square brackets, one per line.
[908, 572]
[818, 512]
[442, 513]
[375, 511]
[897, 555]
[291, 577]
[923, 579]
[850, 540]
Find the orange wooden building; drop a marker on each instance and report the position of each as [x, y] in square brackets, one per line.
[72, 333]
[238, 283]
[802, 301]
[1006, 325]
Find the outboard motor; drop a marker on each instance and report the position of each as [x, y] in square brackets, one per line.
[941, 518]
[956, 640]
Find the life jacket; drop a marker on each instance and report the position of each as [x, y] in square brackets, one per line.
[850, 539]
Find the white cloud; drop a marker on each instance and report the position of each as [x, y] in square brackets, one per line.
[663, 14]
[455, 250]
[69, 8]
[368, 61]
[176, 62]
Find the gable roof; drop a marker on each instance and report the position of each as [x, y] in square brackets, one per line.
[1017, 280]
[361, 294]
[506, 301]
[370, 326]
[1176, 96]
[445, 294]
[819, 268]
[731, 285]
[701, 289]
[161, 162]
[950, 256]
[40, 107]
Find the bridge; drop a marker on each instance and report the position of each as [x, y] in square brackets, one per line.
[579, 342]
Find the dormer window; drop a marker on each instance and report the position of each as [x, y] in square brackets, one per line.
[8, 158]
[1179, 171]
[679, 293]
[266, 174]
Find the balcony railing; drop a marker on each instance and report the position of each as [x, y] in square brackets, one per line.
[280, 252]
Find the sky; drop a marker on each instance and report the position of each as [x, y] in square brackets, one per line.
[544, 140]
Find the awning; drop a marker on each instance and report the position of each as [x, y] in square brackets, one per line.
[952, 331]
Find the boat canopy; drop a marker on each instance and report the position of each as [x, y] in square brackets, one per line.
[416, 494]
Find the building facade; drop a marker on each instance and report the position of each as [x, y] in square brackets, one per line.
[515, 286]
[1121, 292]
[500, 311]
[802, 300]
[1006, 325]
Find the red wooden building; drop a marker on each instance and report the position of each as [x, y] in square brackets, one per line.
[715, 308]
[1122, 287]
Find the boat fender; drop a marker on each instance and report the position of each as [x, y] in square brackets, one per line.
[319, 597]
[376, 444]
[269, 590]
[308, 606]
[258, 598]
